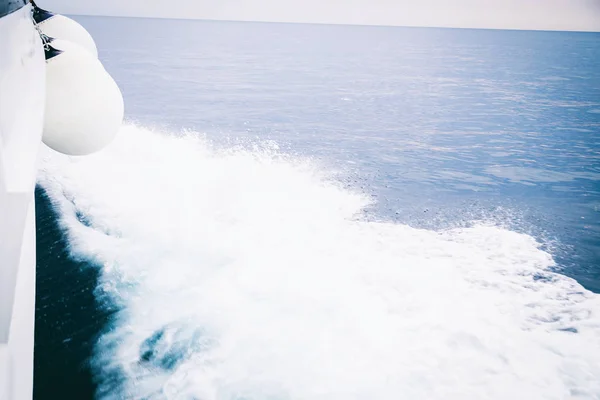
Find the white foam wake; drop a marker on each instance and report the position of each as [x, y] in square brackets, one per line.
[244, 274]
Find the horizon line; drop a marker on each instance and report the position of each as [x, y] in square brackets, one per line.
[339, 24]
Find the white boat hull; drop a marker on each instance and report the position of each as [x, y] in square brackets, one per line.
[22, 96]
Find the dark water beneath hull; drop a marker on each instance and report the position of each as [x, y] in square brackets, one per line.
[67, 321]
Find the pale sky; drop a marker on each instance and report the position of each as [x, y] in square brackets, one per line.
[506, 14]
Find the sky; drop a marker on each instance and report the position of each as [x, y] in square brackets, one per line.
[581, 15]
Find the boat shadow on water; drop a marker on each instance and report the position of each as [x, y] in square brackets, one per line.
[68, 319]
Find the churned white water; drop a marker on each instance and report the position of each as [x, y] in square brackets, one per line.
[248, 274]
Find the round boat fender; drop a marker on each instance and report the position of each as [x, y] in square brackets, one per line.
[84, 105]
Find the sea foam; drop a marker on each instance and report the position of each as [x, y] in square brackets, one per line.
[248, 274]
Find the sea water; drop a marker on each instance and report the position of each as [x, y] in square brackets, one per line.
[328, 212]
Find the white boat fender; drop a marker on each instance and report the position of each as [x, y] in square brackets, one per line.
[61, 27]
[84, 106]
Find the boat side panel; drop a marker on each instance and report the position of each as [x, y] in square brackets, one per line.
[10, 6]
[22, 97]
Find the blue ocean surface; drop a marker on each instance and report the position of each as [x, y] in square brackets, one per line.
[328, 212]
